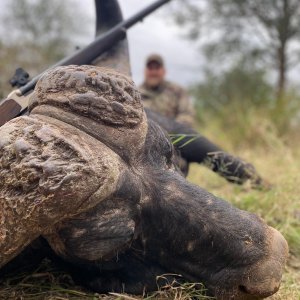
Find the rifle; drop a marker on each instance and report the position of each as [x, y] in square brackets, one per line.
[16, 102]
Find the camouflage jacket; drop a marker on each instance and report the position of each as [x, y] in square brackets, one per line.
[170, 100]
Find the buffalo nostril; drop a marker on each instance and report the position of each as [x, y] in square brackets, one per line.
[264, 278]
[257, 293]
[243, 289]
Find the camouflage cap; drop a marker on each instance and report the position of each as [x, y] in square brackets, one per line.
[155, 58]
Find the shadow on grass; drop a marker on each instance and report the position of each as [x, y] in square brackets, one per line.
[48, 282]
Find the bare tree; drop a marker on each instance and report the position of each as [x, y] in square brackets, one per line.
[268, 30]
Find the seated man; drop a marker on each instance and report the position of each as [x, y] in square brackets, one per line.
[162, 96]
[168, 105]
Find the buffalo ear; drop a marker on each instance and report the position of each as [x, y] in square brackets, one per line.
[49, 171]
[102, 232]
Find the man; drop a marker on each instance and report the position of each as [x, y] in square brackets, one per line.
[163, 96]
[168, 105]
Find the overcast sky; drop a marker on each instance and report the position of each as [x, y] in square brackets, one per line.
[156, 35]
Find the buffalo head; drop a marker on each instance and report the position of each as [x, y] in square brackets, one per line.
[87, 171]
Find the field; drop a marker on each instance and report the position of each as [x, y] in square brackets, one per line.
[277, 160]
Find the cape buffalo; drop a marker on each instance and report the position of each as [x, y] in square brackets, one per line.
[90, 174]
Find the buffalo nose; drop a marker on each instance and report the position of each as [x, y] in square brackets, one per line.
[264, 278]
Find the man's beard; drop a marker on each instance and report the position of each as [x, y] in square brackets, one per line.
[153, 82]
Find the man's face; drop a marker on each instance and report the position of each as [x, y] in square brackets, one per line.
[154, 74]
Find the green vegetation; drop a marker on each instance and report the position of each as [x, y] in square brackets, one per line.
[243, 101]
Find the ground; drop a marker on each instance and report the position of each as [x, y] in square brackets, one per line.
[277, 159]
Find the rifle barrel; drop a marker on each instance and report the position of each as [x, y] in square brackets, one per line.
[100, 45]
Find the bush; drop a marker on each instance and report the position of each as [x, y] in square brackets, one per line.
[242, 102]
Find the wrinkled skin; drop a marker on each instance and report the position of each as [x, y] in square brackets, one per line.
[90, 174]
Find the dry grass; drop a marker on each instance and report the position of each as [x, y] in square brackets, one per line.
[49, 283]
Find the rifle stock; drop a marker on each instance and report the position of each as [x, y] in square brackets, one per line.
[9, 110]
